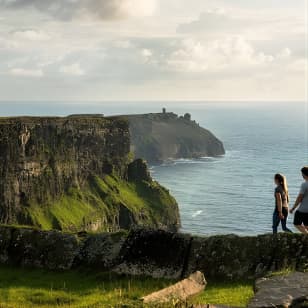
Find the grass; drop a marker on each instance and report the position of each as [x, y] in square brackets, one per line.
[284, 272]
[24, 288]
[235, 294]
[99, 201]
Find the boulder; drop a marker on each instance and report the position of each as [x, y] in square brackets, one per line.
[180, 291]
[281, 291]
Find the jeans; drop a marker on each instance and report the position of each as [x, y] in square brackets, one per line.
[277, 220]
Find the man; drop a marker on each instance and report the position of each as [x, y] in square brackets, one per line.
[301, 215]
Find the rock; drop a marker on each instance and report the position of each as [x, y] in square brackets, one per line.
[281, 291]
[51, 250]
[154, 253]
[180, 291]
[101, 251]
[157, 137]
[138, 171]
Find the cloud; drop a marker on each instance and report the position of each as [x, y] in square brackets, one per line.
[212, 20]
[70, 9]
[285, 53]
[235, 54]
[146, 53]
[31, 34]
[21, 72]
[73, 69]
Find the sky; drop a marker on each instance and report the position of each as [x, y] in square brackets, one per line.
[143, 50]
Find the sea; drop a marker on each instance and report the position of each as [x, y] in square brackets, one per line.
[233, 193]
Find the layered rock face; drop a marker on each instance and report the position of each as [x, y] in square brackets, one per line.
[72, 174]
[157, 137]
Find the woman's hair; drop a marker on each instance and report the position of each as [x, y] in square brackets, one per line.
[282, 180]
[305, 170]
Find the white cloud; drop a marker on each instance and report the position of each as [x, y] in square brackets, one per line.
[213, 53]
[146, 53]
[266, 24]
[32, 35]
[73, 69]
[8, 44]
[125, 44]
[285, 53]
[22, 72]
[231, 53]
[212, 20]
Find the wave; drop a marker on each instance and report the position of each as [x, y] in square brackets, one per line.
[232, 153]
[197, 213]
[201, 160]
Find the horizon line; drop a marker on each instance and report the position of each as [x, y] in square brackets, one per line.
[153, 100]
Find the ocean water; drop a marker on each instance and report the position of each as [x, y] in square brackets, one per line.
[229, 194]
[235, 193]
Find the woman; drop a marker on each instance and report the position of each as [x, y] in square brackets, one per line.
[282, 203]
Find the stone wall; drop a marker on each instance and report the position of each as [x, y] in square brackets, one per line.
[155, 253]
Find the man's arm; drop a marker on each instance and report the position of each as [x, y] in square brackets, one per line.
[298, 201]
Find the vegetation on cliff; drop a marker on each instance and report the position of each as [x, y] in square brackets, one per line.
[75, 173]
[108, 204]
[157, 137]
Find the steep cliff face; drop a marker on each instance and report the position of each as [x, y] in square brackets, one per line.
[157, 137]
[72, 174]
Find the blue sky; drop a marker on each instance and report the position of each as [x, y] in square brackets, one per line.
[101, 50]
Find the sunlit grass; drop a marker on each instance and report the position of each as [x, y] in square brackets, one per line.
[43, 289]
[24, 288]
[100, 199]
[235, 294]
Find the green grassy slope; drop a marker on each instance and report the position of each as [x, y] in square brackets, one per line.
[98, 203]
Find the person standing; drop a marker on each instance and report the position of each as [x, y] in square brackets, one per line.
[301, 215]
[281, 204]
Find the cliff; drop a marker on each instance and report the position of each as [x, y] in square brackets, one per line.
[155, 253]
[157, 137]
[75, 173]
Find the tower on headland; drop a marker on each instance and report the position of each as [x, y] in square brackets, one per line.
[187, 116]
[164, 111]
